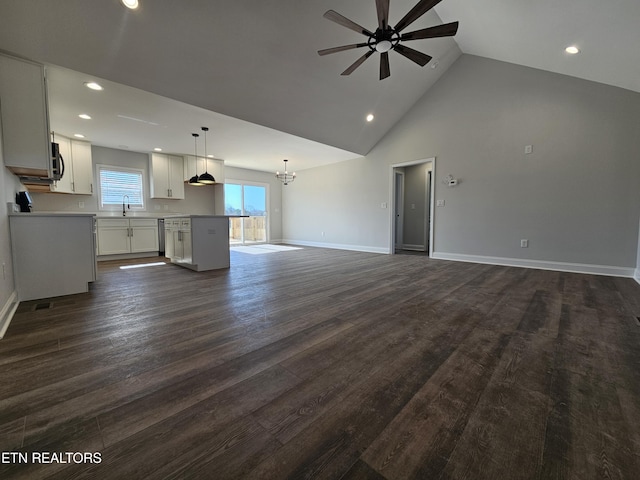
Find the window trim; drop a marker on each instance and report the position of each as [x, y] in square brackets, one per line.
[118, 206]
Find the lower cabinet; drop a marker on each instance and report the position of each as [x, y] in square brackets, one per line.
[178, 240]
[127, 235]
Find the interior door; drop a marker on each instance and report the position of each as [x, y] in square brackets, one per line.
[399, 209]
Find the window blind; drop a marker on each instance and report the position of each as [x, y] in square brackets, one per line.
[115, 184]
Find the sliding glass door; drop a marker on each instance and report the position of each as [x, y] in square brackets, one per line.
[244, 198]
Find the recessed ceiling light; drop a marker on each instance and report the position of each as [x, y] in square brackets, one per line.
[84, 116]
[78, 135]
[157, 149]
[93, 85]
[370, 117]
[572, 50]
[132, 4]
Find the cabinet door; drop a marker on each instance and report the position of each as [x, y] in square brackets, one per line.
[176, 177]
[113, 240]
[144, 239]
[159, 176]
[65, 184]
[82, 168]
[25, 120]
[216, 168]
[144, 235]
[187, 250]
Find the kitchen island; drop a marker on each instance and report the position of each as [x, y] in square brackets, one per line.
[198, 242]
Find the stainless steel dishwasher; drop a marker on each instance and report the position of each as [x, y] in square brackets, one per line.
[161, 236]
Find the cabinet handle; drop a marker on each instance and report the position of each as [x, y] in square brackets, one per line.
[73, 186]
[91, 187]
[131, 231]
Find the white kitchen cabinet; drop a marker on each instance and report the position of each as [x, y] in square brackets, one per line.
[166, 176]
[213, 166]
[78, 168]
[178, 246]
[117, 236]
[53, 254]
[25, 117]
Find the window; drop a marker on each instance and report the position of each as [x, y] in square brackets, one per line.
[116, 182]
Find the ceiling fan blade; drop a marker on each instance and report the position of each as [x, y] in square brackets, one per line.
[345, 22]
[415, 56]
[327, 51]
[446, 30]
[382, 7]
[357, 63]
[422, 7]
[385, 71]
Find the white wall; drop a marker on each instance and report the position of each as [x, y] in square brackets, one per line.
[198, 200]
[575, 198]
[8, 297]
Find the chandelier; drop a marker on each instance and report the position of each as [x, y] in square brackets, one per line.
[286, 177]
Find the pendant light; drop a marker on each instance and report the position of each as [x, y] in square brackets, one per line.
[194, 180]
[286, 178]
[206, 177]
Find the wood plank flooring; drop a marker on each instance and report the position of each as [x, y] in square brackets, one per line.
[327, 364]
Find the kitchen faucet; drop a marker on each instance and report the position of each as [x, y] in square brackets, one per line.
[128, 206]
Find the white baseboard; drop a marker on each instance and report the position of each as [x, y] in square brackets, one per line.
[539, 264]
[636, 275]
[338, 246]
[6, 314]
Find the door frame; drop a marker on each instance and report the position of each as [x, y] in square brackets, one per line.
[392, 209]
[242, 183]
[398, 209]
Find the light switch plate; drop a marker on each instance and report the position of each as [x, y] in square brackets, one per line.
[439, 203]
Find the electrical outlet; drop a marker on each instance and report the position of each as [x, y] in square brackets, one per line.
[322, 233]
[439, 203]
[528, 149]
[524, 243]
[166, 207]
[80, 204]
[157, 207]
[383, 205]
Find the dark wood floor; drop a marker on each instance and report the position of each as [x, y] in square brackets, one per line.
[328, 364]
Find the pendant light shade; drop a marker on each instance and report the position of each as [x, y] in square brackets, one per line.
[194, 180]
[206, 178]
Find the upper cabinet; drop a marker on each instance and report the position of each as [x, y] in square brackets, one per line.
[167, 176]
[25, 119]
[78, 171]
[213, 166]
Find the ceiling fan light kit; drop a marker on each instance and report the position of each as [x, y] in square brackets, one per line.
[387, 38]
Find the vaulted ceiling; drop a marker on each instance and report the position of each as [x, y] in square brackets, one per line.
[249, 68]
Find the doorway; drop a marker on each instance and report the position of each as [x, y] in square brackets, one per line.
[411, 212]
[244, 198]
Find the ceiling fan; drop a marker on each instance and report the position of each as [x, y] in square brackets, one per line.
[387, 38]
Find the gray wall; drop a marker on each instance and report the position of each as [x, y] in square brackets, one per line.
[575, 198]
[198, 200]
